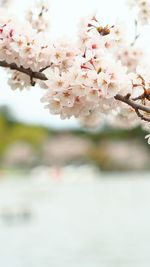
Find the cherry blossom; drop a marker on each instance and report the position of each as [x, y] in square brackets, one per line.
[96, 76]
[143, 10]
[38, 16]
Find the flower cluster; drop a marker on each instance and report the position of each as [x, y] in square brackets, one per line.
[129, 56]
[18, 80]
[90, 31]
[89, 79]
[124, 118]
[82, 79]
[141, 93]
[38, 16]
[143, 9]
[20, 44]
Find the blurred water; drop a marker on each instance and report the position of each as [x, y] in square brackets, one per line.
[96, 223]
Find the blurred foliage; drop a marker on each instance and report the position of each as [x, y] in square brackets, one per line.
[12, 131]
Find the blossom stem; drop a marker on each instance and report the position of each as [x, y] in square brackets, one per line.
[137, 35]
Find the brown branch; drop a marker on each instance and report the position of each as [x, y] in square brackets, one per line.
[33, 74]
[41, 76]
[140, 97]
[145, 95]
[141, 116]
[137, 107]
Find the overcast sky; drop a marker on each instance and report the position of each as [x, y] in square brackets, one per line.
[65, 15]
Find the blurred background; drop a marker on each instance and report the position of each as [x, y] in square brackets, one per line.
[25, 147]
[71, 196]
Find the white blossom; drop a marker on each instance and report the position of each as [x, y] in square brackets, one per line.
[143, 10]
[81, 78]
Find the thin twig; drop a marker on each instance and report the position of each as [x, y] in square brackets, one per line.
[137, 107]
[137, 35]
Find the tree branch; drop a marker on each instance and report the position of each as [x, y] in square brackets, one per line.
[137, 107]
[41, 76]
[33, 74]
